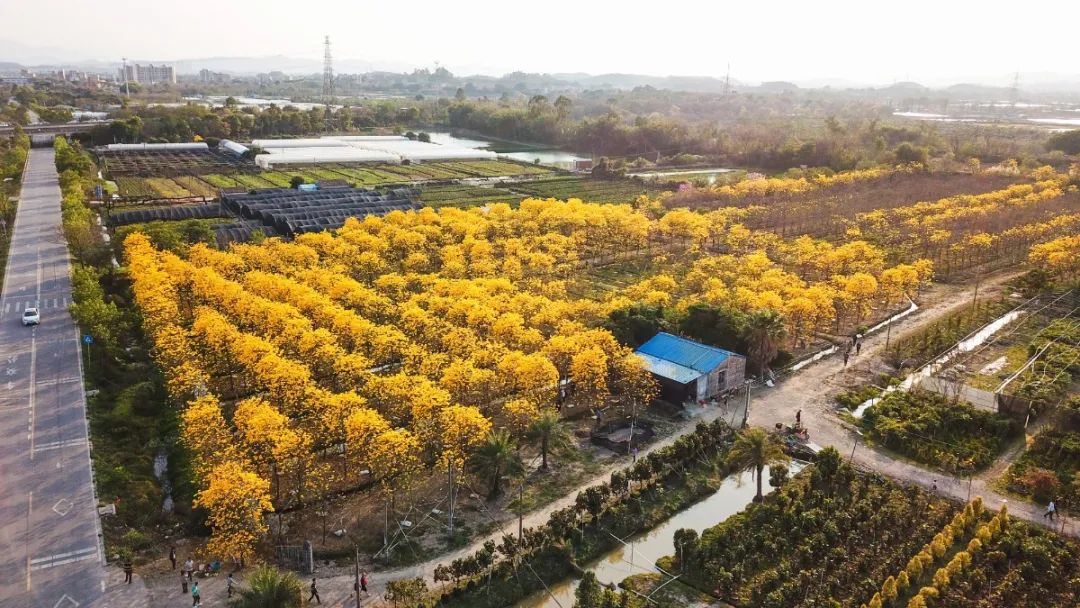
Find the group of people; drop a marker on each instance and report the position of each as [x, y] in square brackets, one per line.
[187, 573]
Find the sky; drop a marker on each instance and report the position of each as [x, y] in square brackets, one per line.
[869, 41]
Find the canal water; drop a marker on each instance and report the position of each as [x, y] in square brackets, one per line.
[639, 554]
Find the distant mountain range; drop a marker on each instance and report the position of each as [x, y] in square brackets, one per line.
[17, 55]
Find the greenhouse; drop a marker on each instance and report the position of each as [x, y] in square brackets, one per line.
[228, 145]
[291, 212]
[179, 212]
[359, 149]
[198, 146]
[315, 156]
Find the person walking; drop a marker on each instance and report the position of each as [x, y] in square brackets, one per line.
[363, 581]
[314, 592]
[189, 566]
[847, 354]
[229, 582]
[1051, 510]
[128, 569]
[858, 347]
[196, 597]
[172, 556]
[798, 419]
[183, 583]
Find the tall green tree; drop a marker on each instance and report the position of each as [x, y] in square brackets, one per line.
[496, 457]
[550, 435]
[268, 587]
[754, 450]
[764, 331]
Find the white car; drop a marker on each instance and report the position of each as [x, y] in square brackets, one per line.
[30, 316]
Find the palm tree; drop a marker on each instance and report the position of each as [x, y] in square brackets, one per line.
[496, 457]
[764, 331]
[754, 450]
[551, 435]
[269, 587]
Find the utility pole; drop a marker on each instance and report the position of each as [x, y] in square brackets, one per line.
[356, 574]
[451, 528]
[888, 334]
[746, 409]
[521, 511]
[858, 435]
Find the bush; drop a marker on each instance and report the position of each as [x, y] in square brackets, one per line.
[935, 430]
[136, 540]
[1042, 484]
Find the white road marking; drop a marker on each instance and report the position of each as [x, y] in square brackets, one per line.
[56, 445]
[60, 559]
[67, 602]
[33, 391]
[29, 509]
[63, 507]
[67, 380]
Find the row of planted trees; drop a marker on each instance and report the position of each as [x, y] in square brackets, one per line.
[304, 362]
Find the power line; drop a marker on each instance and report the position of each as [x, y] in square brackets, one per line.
[328, 85]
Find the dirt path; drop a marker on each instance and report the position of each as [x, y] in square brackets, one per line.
[810, 390]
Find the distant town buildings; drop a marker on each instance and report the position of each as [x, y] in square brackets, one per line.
[207, 76]
[148, 74]
[25, 76]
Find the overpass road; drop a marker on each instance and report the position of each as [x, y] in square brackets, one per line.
[50, 542]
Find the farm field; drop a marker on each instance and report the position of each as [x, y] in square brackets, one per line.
[465, 196]
[442, 351]
[833, 537]
[586, 189]
[204, 181]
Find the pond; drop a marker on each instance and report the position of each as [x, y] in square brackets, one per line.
[639, 554]
[507, 149]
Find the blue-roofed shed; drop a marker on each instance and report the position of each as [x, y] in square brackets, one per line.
[689, 370]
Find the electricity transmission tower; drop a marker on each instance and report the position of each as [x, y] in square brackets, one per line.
[328, 85]
[1014, 91]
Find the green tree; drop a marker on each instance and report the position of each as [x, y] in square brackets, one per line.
[907, 153]
[763, 332]
[1067, 141]
[634, 325]
[496, 456]
[268, 587]
[408, 593]
[551, 435]
[714, 325]
[589, 593]
[754, 450]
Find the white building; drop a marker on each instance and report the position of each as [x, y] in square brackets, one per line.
[148, 74]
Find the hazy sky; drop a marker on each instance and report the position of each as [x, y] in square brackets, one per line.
[870, 41]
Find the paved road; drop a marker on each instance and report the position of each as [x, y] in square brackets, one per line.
[50, 550]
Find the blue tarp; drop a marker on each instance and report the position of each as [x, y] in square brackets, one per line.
[684, 353]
